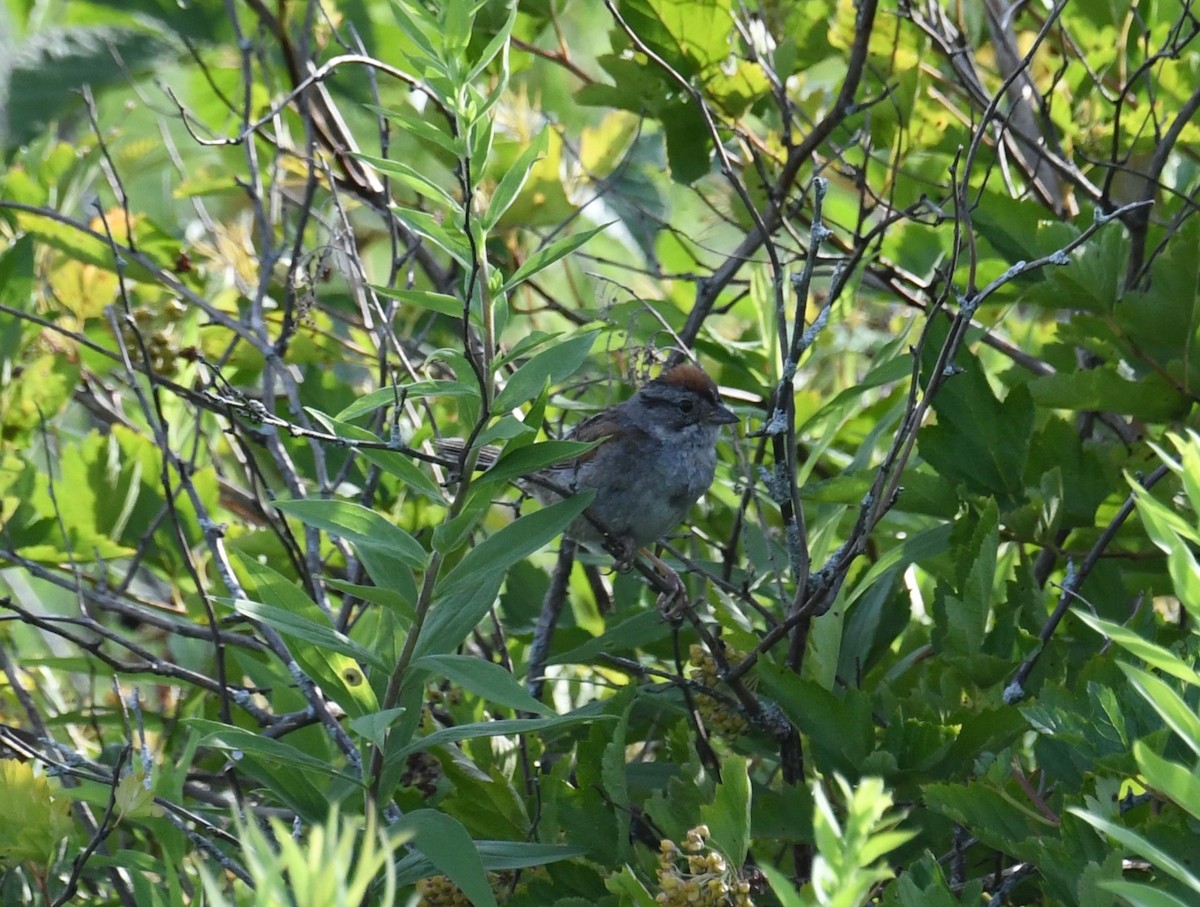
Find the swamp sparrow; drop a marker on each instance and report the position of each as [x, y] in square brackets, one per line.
[657, 457]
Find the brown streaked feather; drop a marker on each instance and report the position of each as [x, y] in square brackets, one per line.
[599, 426]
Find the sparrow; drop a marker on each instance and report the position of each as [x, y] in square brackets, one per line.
[657, 455]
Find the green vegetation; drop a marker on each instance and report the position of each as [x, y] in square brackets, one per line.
[262, 644]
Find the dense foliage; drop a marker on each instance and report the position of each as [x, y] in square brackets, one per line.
[262, 644]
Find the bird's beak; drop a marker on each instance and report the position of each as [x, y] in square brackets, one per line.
[722, 415]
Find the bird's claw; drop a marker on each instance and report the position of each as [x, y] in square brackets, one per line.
[673, 601]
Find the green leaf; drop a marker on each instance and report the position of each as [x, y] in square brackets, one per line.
[297, 627]
[990, 814]
[418, 25]
[531, 458]
[35, 818]
[327, 656]
[636, 632]
[1171, 707]
[515, 542]
[498, 43]
[1164, 525]
[456, 613]
[393, 462]
[468, 591]
[44, 74]
[1152, 654]
[1188, 468]
[840, 727]
[457, 18]
[419, 128]
[782, 887]
[376, 725]
[511, 183]
[547, 255]
[448, 846]
[425, 299]
[479, 139]
[400, 465]
[495, 856]
[357, 524]
[414, 179]
[484, 679]
[1140, 895]
[630, 888]
[978, 439]
[430, 227]
[918, 548]
[286, 770]
[510, 727]
[554, 365]
[1179, 783]
[689, 142]
[728, 816]
[391, 396]
[692, 36]
[962, 621]
[1152, 397]
[1140, 845]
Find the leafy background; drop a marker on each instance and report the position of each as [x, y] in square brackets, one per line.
[260, 647]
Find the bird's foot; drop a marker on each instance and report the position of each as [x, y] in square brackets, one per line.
[672, 601]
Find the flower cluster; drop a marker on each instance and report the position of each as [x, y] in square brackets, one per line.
[439, 891]
[718, 716]
[698, 876]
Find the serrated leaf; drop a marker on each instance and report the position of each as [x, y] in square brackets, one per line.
[1152, 398]
[134, 799]
[728, 816]
[978, 439]
[990, 813]
[34, 819]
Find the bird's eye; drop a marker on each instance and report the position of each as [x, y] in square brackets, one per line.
[687, 405]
